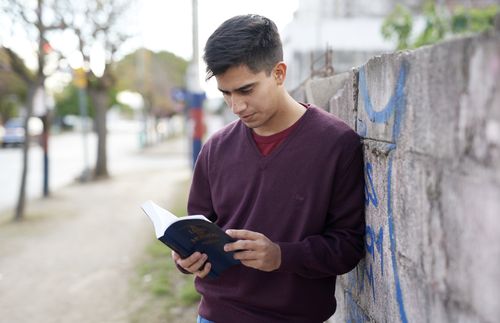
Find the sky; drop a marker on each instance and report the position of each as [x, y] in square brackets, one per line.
[167, 25]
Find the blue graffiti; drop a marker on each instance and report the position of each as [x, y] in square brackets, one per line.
[379, 243]
[362, 271]
[361, 128]
[355, 313]
[392, 239]
[375, 243]
[396, 106]
[371, 279]
[370, 193]
[356, 278]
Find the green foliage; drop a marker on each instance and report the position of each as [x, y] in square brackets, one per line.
[398, 25]
[9, 107]
[439, 24]
[67, 102]
[188, 294]
[13, 89]
[435, 26]
[474, 19]
[154, 270]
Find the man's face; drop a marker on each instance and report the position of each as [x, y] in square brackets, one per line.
[253, 97]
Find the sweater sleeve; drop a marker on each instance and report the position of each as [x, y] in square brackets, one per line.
[200, 199]
[341, 245]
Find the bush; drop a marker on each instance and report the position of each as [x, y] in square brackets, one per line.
[439, 24]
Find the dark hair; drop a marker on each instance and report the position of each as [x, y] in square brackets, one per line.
[250, 40]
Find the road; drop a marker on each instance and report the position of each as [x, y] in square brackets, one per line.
[66, 158]
[66, 161]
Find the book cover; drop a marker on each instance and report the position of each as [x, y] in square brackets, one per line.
[189, 234]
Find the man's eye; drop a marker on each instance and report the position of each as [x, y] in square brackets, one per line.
[245, 91]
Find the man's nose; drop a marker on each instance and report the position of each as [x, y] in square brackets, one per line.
[237, 104]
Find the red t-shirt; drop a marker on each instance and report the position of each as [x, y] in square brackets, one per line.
[267, 144]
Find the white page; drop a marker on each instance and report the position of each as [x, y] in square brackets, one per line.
[162, 218]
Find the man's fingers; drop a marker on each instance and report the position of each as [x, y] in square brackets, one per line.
[205, 271]
[198, 264]
[243, 234]
[175, 256]
[246, 255]
[194, 261]
[246, 240]
[241, 245]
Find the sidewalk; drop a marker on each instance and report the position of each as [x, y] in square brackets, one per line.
[72, 259]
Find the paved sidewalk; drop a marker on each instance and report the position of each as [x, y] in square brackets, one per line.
[72, 260]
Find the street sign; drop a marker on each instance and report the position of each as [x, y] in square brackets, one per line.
[80, 78]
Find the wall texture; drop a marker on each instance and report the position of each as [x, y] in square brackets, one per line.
[430, 120]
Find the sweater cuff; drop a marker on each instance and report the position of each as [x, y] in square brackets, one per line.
[292, 256]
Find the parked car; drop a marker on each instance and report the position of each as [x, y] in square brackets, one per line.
[2, 131]
[14, 133]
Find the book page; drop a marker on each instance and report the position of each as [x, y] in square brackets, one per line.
[162, 218]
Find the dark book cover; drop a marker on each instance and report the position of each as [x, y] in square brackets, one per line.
[189, 234]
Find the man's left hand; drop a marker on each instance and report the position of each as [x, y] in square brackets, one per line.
[254, 250]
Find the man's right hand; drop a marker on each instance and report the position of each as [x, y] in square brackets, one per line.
[193, 263]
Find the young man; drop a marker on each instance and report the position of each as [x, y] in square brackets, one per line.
[285, 180]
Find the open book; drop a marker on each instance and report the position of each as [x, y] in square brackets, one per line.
[189, 234]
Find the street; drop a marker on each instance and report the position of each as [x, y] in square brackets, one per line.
[91, 237]
[76, 256]
[66, 161]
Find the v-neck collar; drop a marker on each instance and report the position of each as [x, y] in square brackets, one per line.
[264, 160]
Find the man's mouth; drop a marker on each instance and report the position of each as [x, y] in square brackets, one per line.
[246, 117]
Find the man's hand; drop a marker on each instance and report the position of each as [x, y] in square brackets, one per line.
[193, 263]
[254, 250]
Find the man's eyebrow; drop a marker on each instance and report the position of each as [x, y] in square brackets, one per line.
[241, 88]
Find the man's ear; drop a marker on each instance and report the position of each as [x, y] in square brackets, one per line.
[279, 73]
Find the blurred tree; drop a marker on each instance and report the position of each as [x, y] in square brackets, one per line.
[99, 25]
[440, 23]
[436, 25]
[473, 19]
[155, 76]
[67, 102]
[38, 19]
[12, 88]
[398, 25]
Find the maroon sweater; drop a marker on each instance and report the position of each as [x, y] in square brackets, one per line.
[307, 196]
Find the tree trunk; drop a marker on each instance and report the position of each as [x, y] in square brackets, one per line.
[100, 98]
[21, 201]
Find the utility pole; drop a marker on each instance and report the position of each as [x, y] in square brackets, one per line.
[80, 80]
[45, 147]
[41, 110]
[195, 95]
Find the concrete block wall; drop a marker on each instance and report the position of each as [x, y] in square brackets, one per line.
[430, 121]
